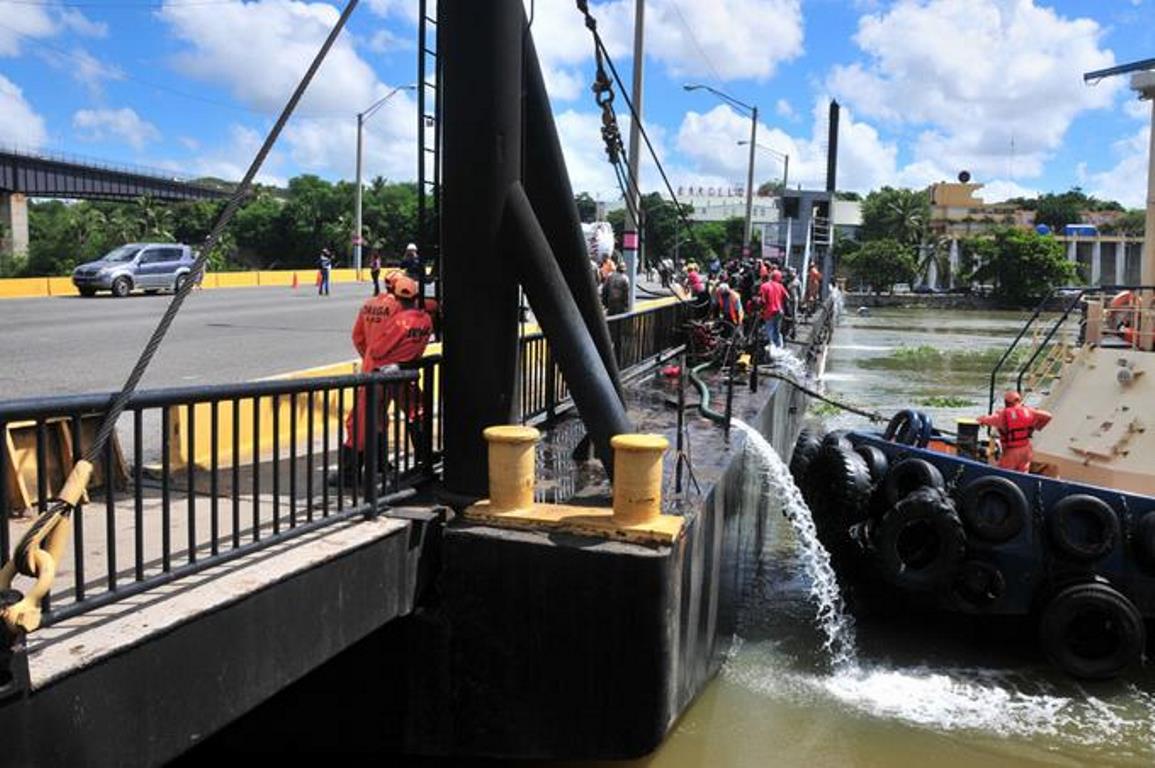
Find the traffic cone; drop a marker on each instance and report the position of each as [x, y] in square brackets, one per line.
[294, 280]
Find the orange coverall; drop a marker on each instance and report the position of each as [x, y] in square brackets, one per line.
[1016, 424]
[385, 333]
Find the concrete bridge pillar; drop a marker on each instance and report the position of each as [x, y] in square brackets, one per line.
[1121, 262]
[1096, 259]
[13, 225]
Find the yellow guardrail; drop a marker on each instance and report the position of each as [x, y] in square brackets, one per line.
[41, 287]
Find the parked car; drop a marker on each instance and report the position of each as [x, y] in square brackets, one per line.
[147, 266]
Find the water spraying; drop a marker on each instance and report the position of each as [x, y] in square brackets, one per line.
[836, 624]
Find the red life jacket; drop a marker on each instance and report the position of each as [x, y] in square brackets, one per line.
[1018, 426]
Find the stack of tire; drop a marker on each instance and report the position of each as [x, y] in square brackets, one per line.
[898, 523]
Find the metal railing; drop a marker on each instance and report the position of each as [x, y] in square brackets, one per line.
[638, 339]
[215, 473]
[1042, 343]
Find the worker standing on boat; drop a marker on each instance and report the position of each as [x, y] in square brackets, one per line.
[1016, 423]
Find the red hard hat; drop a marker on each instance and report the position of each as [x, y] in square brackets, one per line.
[776, 276]
[1011, 397]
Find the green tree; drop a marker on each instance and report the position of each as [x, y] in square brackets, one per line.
[896, 214]
[880, 264]
[771, 188]
[1132, 224]
[1023, 265]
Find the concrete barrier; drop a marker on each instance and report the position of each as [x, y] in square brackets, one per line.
[42, 287]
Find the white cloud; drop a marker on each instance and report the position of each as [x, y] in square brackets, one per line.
[1127, 180]
[105, 124]
[998, 190]
[783, 109]
[21, 24]
[230, 161]
[84, 68]
[228, 44]
[1133, 107]
[75, 21]
[20, 125]
[719, 41]
[974, 74]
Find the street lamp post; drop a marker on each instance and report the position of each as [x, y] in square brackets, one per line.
[785, 158]
[753, 110]
[361, 118]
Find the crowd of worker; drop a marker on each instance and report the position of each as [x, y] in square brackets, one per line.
[761, 296]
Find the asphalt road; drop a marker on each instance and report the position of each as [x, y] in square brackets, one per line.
[69, 345]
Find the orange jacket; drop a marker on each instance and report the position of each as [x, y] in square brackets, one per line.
[374, 311]
[1016, 424]
[399, 338]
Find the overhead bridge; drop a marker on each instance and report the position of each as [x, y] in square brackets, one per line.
[24, 175]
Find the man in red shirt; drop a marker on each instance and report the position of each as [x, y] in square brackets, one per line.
[1016, 423]
[389, 330]
[773, 296]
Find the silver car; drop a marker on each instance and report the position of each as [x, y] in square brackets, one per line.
[147, 266]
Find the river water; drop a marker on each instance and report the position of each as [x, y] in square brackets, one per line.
[919, 693]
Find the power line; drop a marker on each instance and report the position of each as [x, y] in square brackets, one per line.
[694, 40]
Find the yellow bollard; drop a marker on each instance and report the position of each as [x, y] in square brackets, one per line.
[638, 477]
[511, 467]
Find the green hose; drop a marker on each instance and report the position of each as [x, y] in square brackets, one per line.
[704, 395]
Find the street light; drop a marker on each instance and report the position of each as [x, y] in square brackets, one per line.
[361, 118]
[785, 158]
[753, 111]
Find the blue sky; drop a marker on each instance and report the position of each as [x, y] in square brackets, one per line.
[929, 87]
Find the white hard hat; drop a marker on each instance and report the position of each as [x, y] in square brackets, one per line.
[411, 247]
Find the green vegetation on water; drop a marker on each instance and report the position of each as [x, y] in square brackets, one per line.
[928, 358]
[822, 409]
[946, 401]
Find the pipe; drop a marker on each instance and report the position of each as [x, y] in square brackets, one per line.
[480, 48]
[548, 187]
[589, 383]
[704, 395]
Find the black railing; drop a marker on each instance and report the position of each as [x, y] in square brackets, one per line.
[638, 338]
[1075, 298]
[215, 472]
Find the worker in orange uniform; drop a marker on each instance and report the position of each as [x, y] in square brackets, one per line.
[1016, 423]
[389, 330]
[813, 286]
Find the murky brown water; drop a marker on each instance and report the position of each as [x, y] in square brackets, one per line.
[920, 694]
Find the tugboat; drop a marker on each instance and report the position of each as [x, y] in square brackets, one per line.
[920, 516]
[922, 512]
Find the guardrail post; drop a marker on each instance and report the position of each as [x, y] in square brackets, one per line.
[550, 386]
[372, 413]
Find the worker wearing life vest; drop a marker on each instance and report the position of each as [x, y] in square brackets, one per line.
[386, 337]
[813, 285]
[1016, 423]
[728, 306]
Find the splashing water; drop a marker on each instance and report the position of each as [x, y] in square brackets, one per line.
[785, 361]
[838, 303]
[836, 624]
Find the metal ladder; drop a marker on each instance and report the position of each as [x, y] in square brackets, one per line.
[429, 144]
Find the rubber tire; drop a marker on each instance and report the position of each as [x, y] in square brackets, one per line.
[179, 283]
[838, 439]
[979, 584]
[1094, 602]
[973, 506]
[121, 287]
[909, 475]
[1083, 504]
[87, 293]
[876, 461]
[1144, 542]
[837, 489]
[926, 568]
[903, 428]
[806, 447]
